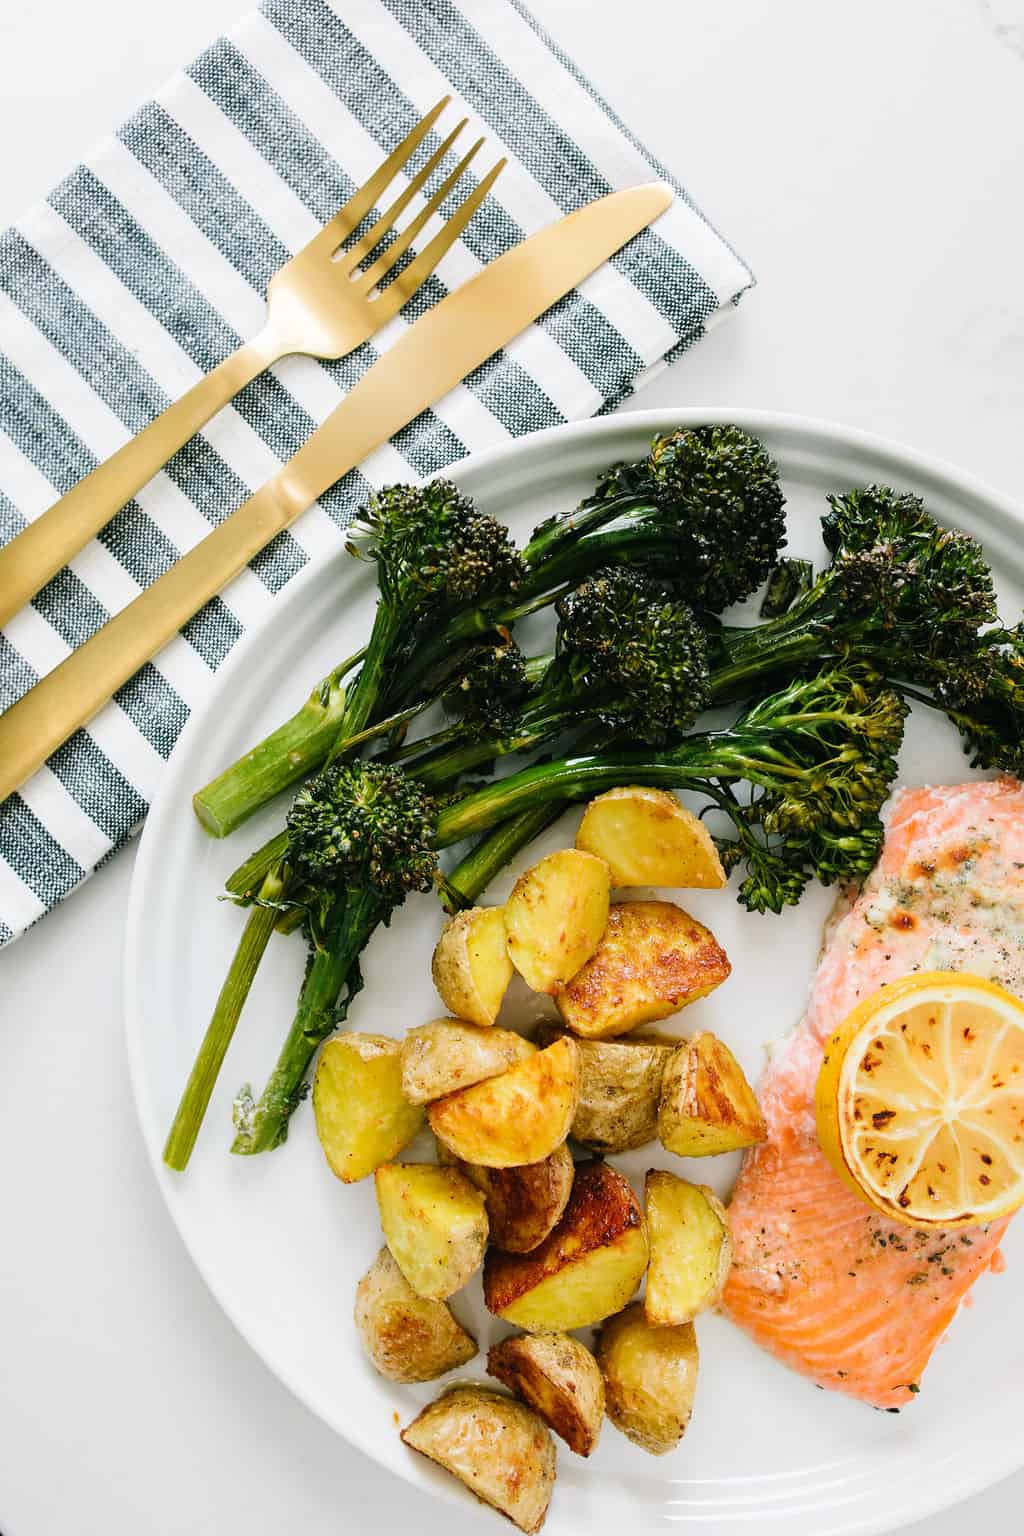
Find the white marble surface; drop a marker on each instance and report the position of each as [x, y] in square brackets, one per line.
[865, 157]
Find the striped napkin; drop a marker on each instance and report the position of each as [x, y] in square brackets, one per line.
[148, 265]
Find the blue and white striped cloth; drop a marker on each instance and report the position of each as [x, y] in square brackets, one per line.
[148, 265]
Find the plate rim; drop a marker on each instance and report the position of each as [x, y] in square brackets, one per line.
[1004, 512]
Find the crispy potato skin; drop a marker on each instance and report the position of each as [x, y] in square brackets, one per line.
[650, 1377]
[524, 1204]
[691, 1249]
[587, 1267]
[555, 917]
[707, 1105]
[497, 1447]
[471, 966]
[620, 1089]
[448, 1054]
[518, 1117]
[559, 1379]
[435, 1224]
[362, 1117]
[646, 837]
[407, 1337]
[653, 960]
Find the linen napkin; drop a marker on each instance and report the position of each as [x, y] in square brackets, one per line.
[148, 265]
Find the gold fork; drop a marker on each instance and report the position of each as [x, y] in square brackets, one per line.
[320, 303]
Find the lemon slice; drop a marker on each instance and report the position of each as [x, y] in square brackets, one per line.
[920, 1100]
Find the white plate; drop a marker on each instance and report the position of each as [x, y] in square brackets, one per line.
[281, 1242]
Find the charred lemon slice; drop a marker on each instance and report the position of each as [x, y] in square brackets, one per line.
[920, 1100]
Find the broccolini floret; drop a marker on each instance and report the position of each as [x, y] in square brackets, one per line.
[360, 839]
[900, 591]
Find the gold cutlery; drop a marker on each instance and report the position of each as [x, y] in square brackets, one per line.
[436, 353]
[319, 303]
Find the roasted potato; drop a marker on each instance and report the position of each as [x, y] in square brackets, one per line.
[707, 1105]
[691, 1250]
[518, 1117]
[435, 1223]
[559, 1379]
[471, 965]
[523, 1204]
[407, 1337]
[362, 1117]
[646, 837]
[620, 1089]
[650, 1377]
[500, 1449]
[585, 1270]
[555, 917]
[652, 960]
[441, 1057]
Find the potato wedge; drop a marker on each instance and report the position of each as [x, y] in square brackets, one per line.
[497, 1447]
[435, 1223]
[407, 1337]
[653, 959]
[707, 1105]
[620, 1089]
[471, 966]
[523, 1204]
[559, 1379]
[519, 1117]
[585, 1270]
[646, 837]
[362, 1117]
[555, 917]
[441, 1057]
[691, 1249]
[650, 1377]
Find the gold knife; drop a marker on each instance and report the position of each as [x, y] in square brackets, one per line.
[434, 355]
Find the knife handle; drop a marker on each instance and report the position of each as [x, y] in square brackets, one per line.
[68, 697]
[56, 536]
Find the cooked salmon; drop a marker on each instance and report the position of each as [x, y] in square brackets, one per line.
[854, 1301]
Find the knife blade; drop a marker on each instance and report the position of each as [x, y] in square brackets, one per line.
[444, 345]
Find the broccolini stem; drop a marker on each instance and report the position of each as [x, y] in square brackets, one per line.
[288, 754]
[473, 874]
[224, 809]
[741, 656]
[262, 1126]
[557, 535]
[439, 770]
[195, 1099]
[244, 884]
[361, 705]
[469, 625]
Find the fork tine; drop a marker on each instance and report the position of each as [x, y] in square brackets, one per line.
[407, 282]
[369, 279]
[363, 199]
[355, 254]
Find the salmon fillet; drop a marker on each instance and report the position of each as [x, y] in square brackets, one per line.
[854, 1301]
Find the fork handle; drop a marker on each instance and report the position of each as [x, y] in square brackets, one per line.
[40, 550]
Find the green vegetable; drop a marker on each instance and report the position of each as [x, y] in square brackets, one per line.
[432, 550]
[981, 689]
[704, 509]
[900, 591]
[788, 581]
[359, 840]
[628, 654]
